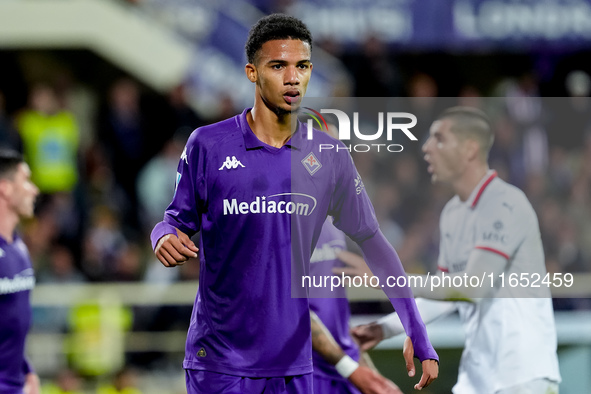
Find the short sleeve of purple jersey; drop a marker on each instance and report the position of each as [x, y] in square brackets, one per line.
[184, 212]
[350, 206]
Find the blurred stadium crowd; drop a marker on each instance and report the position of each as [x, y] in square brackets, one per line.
[106, 172]
[105, 158]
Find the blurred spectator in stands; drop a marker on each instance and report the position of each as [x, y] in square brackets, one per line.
[50, 136]
[9, 137]
[422, 91]
[81, 102]
[572, 116]
[156, 180]
[374, 70]
[469, 96]
[506, 154]
[128, 264]
[50, 141]
[227, 108]
[125, 382]
[578, 209]
[66, 382]
[103, 243]
[122, 133]
[560, 172]
[570, 255]
[60, 267]
[525, 110]
[386, 200]
[183, 118]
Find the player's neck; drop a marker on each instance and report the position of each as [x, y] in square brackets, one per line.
[8, 224]
[466, 184]
[270, 128]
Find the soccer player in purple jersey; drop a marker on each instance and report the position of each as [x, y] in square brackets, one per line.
[259, 193]
[17, 198]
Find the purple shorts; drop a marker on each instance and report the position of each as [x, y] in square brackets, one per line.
[206, 382]
[326, 385]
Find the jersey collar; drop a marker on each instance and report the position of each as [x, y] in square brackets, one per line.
[252, 142]
[479, 189]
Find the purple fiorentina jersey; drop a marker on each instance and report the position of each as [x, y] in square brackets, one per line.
[334, 311]
[260, 210]
[16, 282]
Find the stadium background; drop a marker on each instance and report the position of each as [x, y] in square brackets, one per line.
[133, 78]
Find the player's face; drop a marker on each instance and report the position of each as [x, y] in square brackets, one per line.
[444, 152]
[24, 192]
[282, 72]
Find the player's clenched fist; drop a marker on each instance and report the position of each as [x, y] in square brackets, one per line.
[369, 381]
[173, 250]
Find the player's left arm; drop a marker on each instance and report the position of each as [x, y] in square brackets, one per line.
[384, 262]
[354, 215]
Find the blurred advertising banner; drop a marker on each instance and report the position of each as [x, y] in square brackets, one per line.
[458, 24]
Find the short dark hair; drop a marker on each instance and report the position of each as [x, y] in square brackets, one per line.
[9, 161]
[275, 27]
[470, 122]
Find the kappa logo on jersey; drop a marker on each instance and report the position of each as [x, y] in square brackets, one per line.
[231, 164]
[2, 253]
[184, 156]
[270, 204]
[359, 184]
[311, 163]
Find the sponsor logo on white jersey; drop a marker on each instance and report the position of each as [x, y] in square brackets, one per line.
[300, 204]
[231, 164]
[24, 280]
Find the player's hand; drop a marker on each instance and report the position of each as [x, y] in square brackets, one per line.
[355, 265]
[430, 367]
[369, 381]
[368, 335]
[32, 384]
[173, 250]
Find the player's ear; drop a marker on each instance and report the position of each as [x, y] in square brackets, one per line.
[251, 72]
[472, 149]
[5, 188]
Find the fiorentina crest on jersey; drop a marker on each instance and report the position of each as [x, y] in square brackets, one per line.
[311, 163]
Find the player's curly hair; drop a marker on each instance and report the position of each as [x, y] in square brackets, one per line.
[275, 27]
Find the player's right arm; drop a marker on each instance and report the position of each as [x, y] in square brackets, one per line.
[366, 379]
[171, 237]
